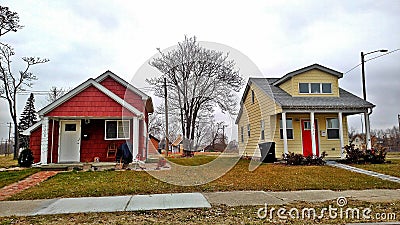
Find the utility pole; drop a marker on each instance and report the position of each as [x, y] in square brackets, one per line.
[398, 119]
[166, 118]
[9, 137]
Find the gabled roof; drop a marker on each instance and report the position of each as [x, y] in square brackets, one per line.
[177, 141]
[28, 131]
[305, 69]
[80, 88]
[346, 100]
[122, 82]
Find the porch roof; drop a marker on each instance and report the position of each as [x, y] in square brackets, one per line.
[345, 101]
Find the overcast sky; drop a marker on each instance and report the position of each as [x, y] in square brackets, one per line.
[85, 38]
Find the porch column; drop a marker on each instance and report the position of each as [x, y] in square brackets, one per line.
[367, 131]
[285, 144]
[44, 143]
[145, 138]
[340, 117]
[313, 144]
[136, 134]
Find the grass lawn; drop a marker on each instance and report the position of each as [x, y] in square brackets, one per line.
[267, 177]
[194, 161]
[393, 155]
[219, 214]
[7, 161]
[9, 177]
[392, 168]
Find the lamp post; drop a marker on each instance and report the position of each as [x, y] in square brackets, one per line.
[366, 114]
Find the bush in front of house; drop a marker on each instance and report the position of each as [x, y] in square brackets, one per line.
[353, 155]
[298, 159]
[376, 155]
[25, 158]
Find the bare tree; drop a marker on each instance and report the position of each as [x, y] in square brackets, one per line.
[11, 82]
[54, 94]
[198, 79]
[9, 21]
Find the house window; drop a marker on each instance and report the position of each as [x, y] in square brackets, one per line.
[327, 88]
[248, 130]
[315, 88]
[70, 127]
[332, 127]
[241, 134]
[303, 88]
[289, 128]
[307, 125]
[262, 130]
[117, 129]
[252, 96]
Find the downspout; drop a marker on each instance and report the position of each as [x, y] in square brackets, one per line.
[52, 142]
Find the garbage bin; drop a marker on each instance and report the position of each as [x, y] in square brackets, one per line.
[267, 152]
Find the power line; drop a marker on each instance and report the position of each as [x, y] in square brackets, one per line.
[371, 59]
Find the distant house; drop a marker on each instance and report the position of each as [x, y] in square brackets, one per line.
[358, 141]
[88, 123]
[177, 145]
[304, 111]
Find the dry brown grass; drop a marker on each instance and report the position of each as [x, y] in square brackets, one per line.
[267, 177]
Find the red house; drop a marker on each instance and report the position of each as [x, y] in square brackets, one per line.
[89, 122]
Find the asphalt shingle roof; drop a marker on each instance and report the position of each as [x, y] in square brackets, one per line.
[346, 100]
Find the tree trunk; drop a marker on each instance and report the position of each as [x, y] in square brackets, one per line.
[16, 139]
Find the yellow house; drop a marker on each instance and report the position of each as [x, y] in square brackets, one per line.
[305, 111]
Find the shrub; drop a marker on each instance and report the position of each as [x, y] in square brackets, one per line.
[298, 159]
[315, 160]
[353, 155]
[293, 159]
[375, 155]
[25, 158]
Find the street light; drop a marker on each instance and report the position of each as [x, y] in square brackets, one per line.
[366, 115]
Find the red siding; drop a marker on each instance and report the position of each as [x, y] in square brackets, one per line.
[90, 103]
[55, 141]
[34, 144]
[95, 145]
[124, 93]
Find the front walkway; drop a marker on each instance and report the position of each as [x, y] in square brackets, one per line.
[26, 183]
[362, 171]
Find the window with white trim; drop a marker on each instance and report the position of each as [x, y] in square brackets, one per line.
[248, 130]
[117, 129]
[262, 124]
[315, 88]
[332, 127]
[241, 134]
[289, 128]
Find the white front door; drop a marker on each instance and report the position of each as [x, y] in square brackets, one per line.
[70, 141]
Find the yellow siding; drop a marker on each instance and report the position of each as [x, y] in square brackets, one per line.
[331, 147]
[263, 108]
[287, 86]
[313, 76]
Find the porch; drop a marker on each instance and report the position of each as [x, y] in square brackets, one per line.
[311, 133]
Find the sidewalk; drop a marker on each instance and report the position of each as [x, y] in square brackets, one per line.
[185, 200]
[362, 171]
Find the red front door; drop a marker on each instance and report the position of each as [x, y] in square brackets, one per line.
[306, 137]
